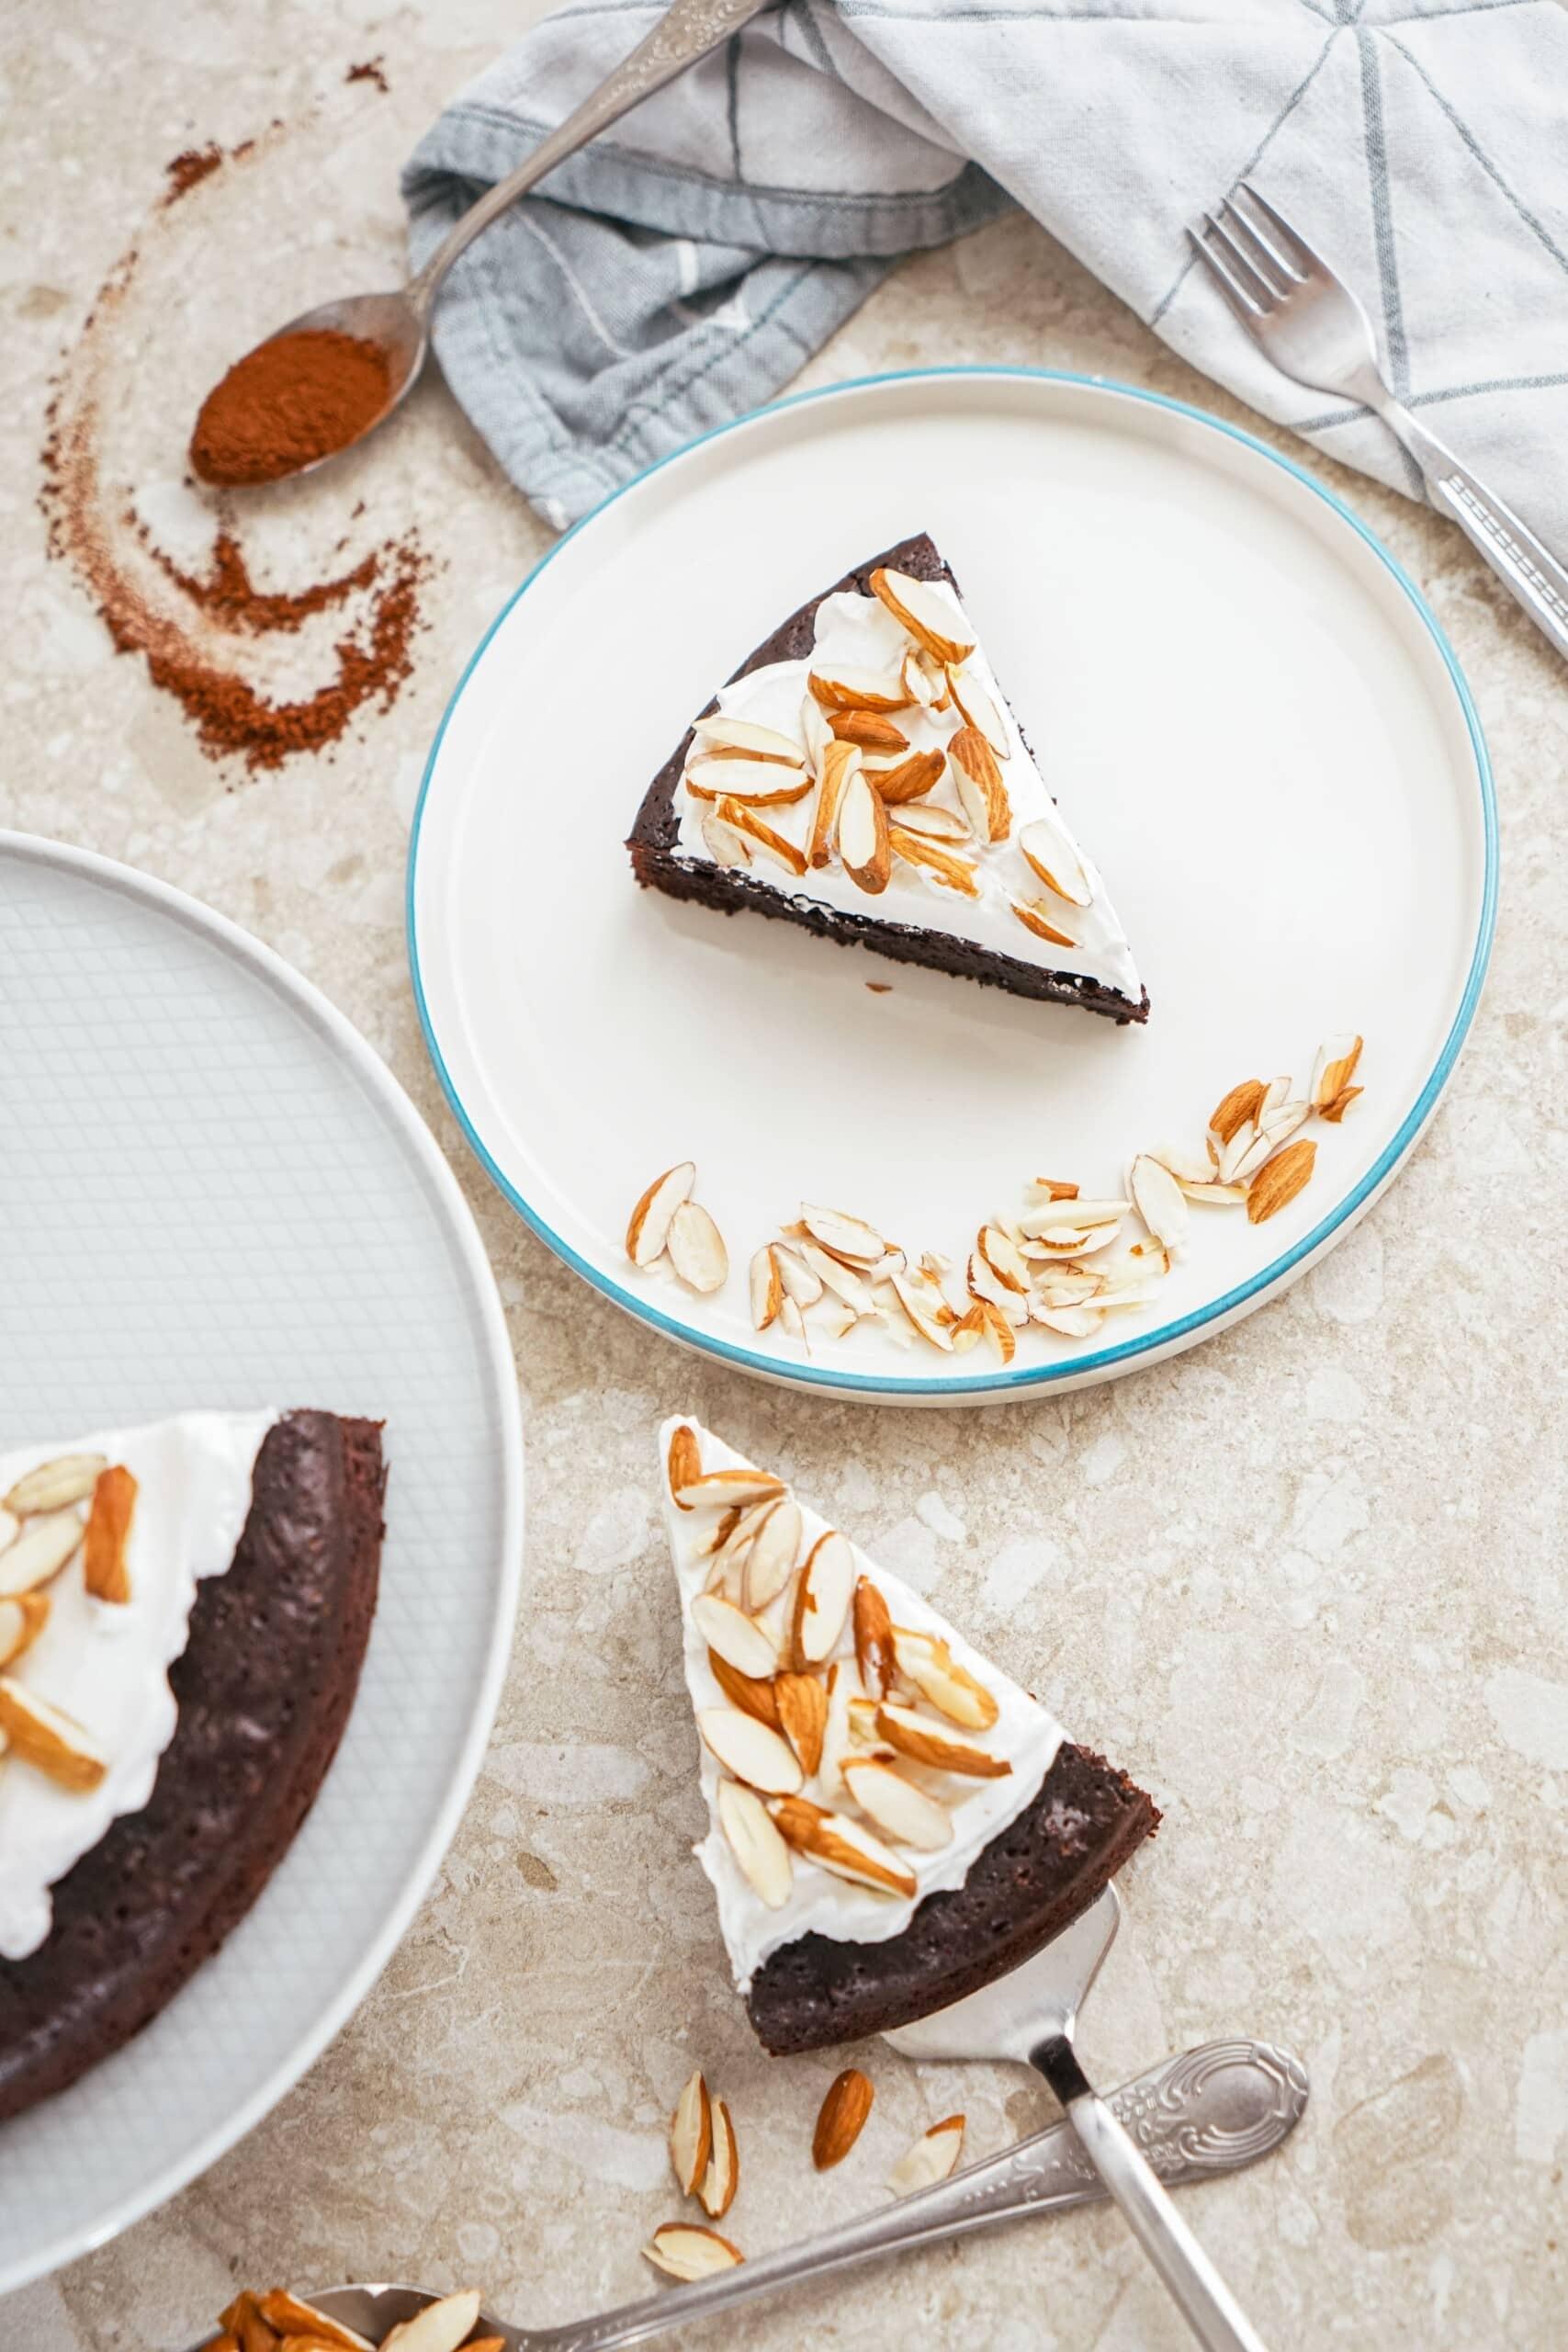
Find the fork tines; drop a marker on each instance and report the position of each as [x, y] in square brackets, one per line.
[1254, 269]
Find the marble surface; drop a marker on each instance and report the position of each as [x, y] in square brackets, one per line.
[1305, 1580]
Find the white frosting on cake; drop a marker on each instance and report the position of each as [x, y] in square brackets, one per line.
[859, 632]
[1023, 1733]
[105, 1664]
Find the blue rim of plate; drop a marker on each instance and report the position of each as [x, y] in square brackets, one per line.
[890, 1387]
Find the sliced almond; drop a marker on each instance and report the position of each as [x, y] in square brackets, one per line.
[1001, 1253]
[696, 1248]
[873, 1637]
[1332, 1073]
[1036, 917]
[45, 1736]
[844, 1237]
[1334, 1112]
[1070, 1322]
[688, 2250]
[841, 1846]
[841, 687]
[978, 708]
[1243, 1156]
[756, 1844]
[1049, 850]
[754, 1695]
[927, 1310]
[760, 833]
[54, 1486]
[933, 2156]
[683, 1464]
[770, 1564]
[936, 859]
[719, 2182]
[22, 1620]
[843, 1688]
[439, 2327]
[1067, 1286]
[802, 1716]
[841, 2118]
[291, 2316]
[930, 1665]
[1234, 1108]
[977, 780]
[840, 763]
[864, 1737]
[1052, 1188]
[745, 740]
[792, 1320]
[983, 1284]
[831, 1315]
[104, 1567]
[942, 825]
[926, 614]
[900, 1811]
[822, 1598]
[691, 2134]
[915, 1735]
[843, 1281]
[1212, 1195]
[998, 1330]
[1160, 1201]
[872, 729]
[245, 2324]
[40, 1552]
[1276, 1183]
[726, 846]
[751, 1750]
[739, 1638]
[802, 1283]
[725, 1486]
[910, 780]
[969, 1329]
[864, 847]
[755, 784]
[766, 1286]
[925, 679]
[648, 1229]
[1077, 1215]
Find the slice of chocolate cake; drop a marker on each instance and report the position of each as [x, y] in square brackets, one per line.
[863, 775]
[893, 1821]
[184, 1613]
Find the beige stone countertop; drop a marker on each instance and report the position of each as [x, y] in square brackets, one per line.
[1306, 1580]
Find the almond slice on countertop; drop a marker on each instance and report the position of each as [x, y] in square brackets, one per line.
[1276, 1183]
[802, 1716]
[48, 1737]
[725, 845]
[928, 1662]
[1001, 1254]
[721, 1486]
[909, 781]
[801, 1282]
[754, 1695]
[1234, 1108]
[915, 1735]
[842, 1236]
[928, 617]
[936, 859]
[688, 2250]
[841, 2118]
[760, 833]
[54, 1486]
[22, 1620]
[40, 1552]
[843, 687]
[841, 763]
[105, 1572]
[748, 1645]
[1034, 915]
[873, 1637]
[934, 2154]
[841, 1846]
[439, 2327]
[1048, 851]
[754, 1840]
[766, 1286]
[865, 850]
[978, 708]
[743, 738]
[696, 1248]
[978, 782]
[770, 1564]
[761, 1757]
[716, 2191]
[872, 729]
[942, 825]
[292, 2315]
[691, 2134]
[648, 1228]
[822, 1598]
[900, 1811]
[919, 1300]
[1159, 1200]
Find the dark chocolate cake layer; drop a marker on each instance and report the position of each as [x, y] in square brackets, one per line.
[1024, 1888]
[264, 1688]
[656, 860]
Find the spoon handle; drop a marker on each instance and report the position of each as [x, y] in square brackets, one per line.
[1209, 2111]
[687, 31]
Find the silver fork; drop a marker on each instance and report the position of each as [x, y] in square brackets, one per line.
[1311, 325]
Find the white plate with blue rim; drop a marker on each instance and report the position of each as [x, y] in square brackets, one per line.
[213, 1194]
[1247, 711]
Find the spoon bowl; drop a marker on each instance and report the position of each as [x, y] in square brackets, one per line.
[392, 323]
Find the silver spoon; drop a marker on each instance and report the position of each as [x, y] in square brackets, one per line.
[399, 323]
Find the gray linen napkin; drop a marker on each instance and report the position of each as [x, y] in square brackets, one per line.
[684, 266]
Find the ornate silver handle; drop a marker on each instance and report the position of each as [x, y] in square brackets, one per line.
[1207, 2113]
[1530, 570]
[687, 31]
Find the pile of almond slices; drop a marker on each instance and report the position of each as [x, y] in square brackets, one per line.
[78, 1503]
[278, 2321]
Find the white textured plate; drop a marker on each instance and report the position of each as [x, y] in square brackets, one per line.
[1247, 711]
[211, 1193]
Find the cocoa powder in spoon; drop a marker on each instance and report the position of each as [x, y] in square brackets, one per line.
[299, 398]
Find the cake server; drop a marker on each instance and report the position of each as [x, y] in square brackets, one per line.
[1210, 2111]
[1031, 2015]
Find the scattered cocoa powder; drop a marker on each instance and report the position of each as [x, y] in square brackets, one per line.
[226, 595]
[192, 163]
[299, 398]
[374, 69]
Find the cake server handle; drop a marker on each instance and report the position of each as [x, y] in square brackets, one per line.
[1211, 2110]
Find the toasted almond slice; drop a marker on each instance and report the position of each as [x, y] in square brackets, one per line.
[864, 1737]
[927, 615]
[1052, 1188]
[1121, 1295]
[224, 2342]
[439, 2327]
[1234, 1108]
[1160, 1201]
[728, 1630]
[843, 1236]
[756, 1844]
[926, 1307]
[934, 858]
[1279, 1122]
[1052, 1215]
[683, 1464]
[872, 729]
[998, 1330]
[1275, 1095]
[745, 740]
[691, 2134]
[754, 1695]
[969, 1329]
[843, 1688]
[756, 784]
[689, 2250]
[244, 2322]
[1071, 1322]
[930, 1665]
[45, 1736]
[873, 1637]
[943, 825]
[770, 1563]
[1279, 1181]
[1242, 1147]
[22, 1620]
[841, 1846]
[648, 1228]
[840, 765]
[864, 847]
[1048, 850]
[802, 1716]
[1067, 1286]
[696, 1248]
[725, 1486]
[909, 780]
[291, 2316]
[843, 687]
[927, 1742]
[841, 2118]
[54, 1486]
[751, 1750]
[1034, 915]
[822, 1598]
[1334, 1112]
[766, 1286]
[802, 1283]
[40, 1552]
[978, 708]
[843, 1281]
[1214, 1195]
[934, 2154]
[104, 1567]
[900, 1811]
[761, 834]
[978, 782]
[726, 846]
[1003, 1257]
[716, 2190]
[983, 1285]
